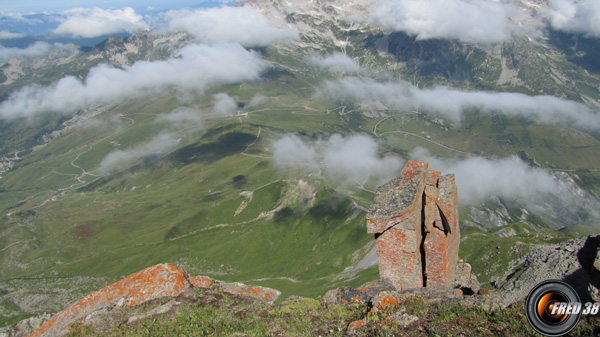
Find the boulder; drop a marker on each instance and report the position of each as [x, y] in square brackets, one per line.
[263, 294]
[151, 283]
[344, 296]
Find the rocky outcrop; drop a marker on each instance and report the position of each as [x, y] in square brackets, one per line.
[361, 295]
[574, 262]
[263, 294]
[381, 299]
[415, 221]
[153, 282]
[159, 281]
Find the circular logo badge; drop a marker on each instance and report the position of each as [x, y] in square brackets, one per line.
[549, 308]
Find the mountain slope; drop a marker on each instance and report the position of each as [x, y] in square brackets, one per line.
[99, 192]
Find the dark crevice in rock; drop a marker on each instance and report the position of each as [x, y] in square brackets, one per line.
[422, 245]
[445, 224]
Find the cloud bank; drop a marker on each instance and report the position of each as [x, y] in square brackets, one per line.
[92, 22]
[121, 159]
[451, 103]
[353, 158]
[554, 197]
[198, 67]
[468, 21]
[243, 25]
[480, 178]
[575, 17]
[6, 35]
[39, 48]
[339, 63]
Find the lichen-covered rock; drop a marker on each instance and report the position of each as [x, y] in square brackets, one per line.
[372, 288]
[448, 205]
[402, 319]
[415, 221]
[385, 299]
[344, 296]
[398, 253]
[398, 199]
[264, 294]
[357, 324]
[361, 295]
[203, 282]
[151, 283]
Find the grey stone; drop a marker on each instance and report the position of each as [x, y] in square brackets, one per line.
[402, 319]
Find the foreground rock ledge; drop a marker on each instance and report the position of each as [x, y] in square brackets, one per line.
[415, 221]
[163, 280]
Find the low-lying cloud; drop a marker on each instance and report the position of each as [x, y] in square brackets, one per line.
[243, 25]
[468, 21]
[555, 197]
[451, 103]
[575, 17]
[258, 99]
[224, 105]
[198, 67]
[6, 35]
[479, 178]
[182, 117]
[39, 48]
[339, 63]
[291, 152]
[92, 22]
[121, 159]
[354, 158]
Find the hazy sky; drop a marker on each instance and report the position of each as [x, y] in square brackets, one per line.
[39, 6]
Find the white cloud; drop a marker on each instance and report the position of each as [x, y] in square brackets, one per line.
[575, 17]
[121, 159]
[468, 21]
[337, 63]
[357, 158]
[6, 35]
[354, 158]
[258, 99]
[479, 178]
[554, 197]
[290, 151]
[451, 103]
[244, 25]
[182, 117]
[91, 22]
[39, 48]
[224, 104]
[197, 67]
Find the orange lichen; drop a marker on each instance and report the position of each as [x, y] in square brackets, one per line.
[387, 300]
[357, 324]
[150, 283]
